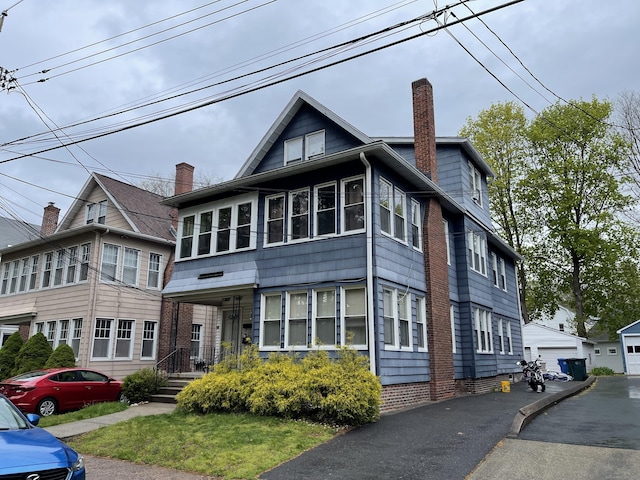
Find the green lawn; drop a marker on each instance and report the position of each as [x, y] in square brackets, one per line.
[90, 411]
[231, 446]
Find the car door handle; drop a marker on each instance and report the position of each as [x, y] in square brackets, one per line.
[88, 388]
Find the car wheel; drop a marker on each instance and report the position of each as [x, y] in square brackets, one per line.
[46, 407]
[122, 398]
[534, 386]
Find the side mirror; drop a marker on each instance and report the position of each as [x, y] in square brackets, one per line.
[33, 419]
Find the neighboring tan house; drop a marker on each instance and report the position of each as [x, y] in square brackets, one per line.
[328, 237]
[12, 232]
[550, 344]
[94, 280]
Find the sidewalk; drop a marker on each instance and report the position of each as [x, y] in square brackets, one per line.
[73, 429]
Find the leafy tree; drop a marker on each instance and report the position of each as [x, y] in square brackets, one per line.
[33, 354]
[499, 134]
[62, 356]
[8, 354]
[575, 189]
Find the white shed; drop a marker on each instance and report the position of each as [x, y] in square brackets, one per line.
[630, 339]
[551, 344]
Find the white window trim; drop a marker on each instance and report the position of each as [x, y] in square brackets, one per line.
[400, 236]
[452, 318]
[72, 337]
[510, 352]
[132, 340]
[293, 141]
[501, 335]
[314, 318]
[494, 269]
[112, 325]
[289, 216]
[421, 318]
[316, 211]
[397, 297]
[343, 205]
[503, 275]
[59, 339]
[263, 307]
[475, 180]
[307, 141]
[160, 270]
[117, 264]
[215, 207]
[137, 267]
[612, 351]
[154, 344]
[447, 240]
[283, 197]
[416, 220]
[96, 211]
[287, 319]
[343, 317]
[198, 340]
[477, 245]
[483, 326]
[388, 211]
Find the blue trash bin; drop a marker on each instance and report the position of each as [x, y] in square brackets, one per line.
[564, 367]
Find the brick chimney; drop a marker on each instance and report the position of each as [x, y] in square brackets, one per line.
[49, 220]
[442, 384]
[184, 178]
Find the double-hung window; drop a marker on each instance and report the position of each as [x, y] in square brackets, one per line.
[72, 265]
[223, 236]
[299, 214]
[293, 150]
[15, 271]
[153, 273]
[313, 143]
[503, 275]
[501, 335]
[76, 336]
[35, 264]
[399, 215]
[85, 258]
[109, 266]
[477, 247]
[416, 226]
[196, 340]
[325, 209]
[51, 333]
[124, 339]
[46, 270]
[96, 213]
[102, 338]
[130, 266]
[389, 317]
[271, 309]
[397, 319]
[5, 278]
[421, 323]
[386, 190]
[59, 271]
[148, 351]
[494, 268]
[354, 317]
[186, 236]
[24, 274]
[324, 318]
[243, 226]
[353, 208]
[275, 220]
[447, 240]
[475, 180]
[482, 330]
[296, 326]
[204, 237]
[63, 332]
[509, 339]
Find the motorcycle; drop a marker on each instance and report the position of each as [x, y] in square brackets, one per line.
[533, 374]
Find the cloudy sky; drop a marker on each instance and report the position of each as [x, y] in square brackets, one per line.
[116, 64]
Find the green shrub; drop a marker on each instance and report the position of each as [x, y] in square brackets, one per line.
[341, 391]
[8, 354]
[139, 386]
[62, 356]
[602, 371]
[33, 354]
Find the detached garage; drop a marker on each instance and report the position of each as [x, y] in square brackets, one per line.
[551, 344]
[630, 340]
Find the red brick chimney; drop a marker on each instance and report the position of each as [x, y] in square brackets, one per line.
[442, 384]
[49, 220]
[184, 178]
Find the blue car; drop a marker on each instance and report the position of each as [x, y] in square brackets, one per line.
[27, 451]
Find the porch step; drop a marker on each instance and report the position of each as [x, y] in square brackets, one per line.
[175, 383]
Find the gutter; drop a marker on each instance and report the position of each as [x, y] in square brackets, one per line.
[370, 310]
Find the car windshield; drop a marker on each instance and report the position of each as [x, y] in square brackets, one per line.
[10, 419]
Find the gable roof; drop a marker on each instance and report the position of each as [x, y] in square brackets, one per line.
[141, 209]
[13, 232]
[297, 101]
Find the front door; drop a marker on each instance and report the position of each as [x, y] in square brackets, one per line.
[231, 332]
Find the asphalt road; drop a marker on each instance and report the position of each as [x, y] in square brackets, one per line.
[594, 435]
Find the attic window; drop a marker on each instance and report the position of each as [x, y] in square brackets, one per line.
[97, 213]
[304, 148]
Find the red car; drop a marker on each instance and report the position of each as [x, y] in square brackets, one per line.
[46, 392]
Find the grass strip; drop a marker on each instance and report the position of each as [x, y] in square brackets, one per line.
[90, 411]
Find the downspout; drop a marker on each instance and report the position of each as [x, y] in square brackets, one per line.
[369, 233]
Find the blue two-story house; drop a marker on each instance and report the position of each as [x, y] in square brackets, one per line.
[328, 237]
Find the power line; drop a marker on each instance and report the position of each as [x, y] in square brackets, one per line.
[244, 89]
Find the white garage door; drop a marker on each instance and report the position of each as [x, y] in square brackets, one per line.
[632, 345]
[551, 355]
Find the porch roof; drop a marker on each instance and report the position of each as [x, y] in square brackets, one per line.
[17, 314]
[210, 285]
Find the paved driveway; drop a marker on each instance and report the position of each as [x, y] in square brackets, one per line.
[594, 435]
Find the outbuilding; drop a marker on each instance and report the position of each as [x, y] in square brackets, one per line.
[550, 344]
[630, 341]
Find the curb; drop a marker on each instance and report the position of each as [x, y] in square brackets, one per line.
[529, 412]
